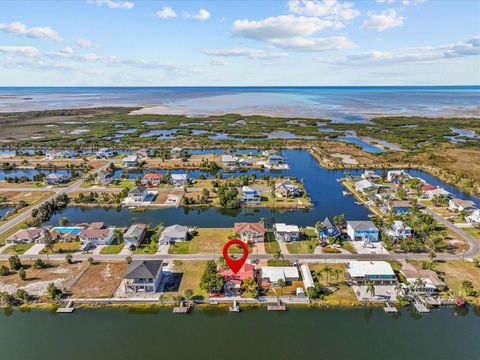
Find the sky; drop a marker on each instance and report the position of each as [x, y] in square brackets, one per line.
[239, 43]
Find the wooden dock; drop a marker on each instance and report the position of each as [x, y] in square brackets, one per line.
[420, 307]
[390, 309]
[66, 310]
[235, 307]
[278, 307]
[182, 308]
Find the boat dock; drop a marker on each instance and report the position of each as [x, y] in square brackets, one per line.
[235, 307]
[182, 308]
[278, 307]
[420, 307]
[390, 309]
[68, 309]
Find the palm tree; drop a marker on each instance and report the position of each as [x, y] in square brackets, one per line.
[48, 240]
[370, 289]
[281, 284]
[399, 289]
[419, 283]
[319, 276]
[328, 271]
[337, 273]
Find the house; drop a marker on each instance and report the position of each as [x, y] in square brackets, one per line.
[377, 272]
[271, 275]
[96, 234]
[328, 230]
[286, 233]
[250, 232]
[362, 231]
[369, 174]
[233, 281]
[152, 179]
[137, 195]
[428, 187]
[65, 233]
[400, 207]
[104, 178]
[270, 152]
[250, 196]
[422, 280]
[398, 231]
[135, 234]
[474, 217]
[24, 236]
[179, 179]
[105, 153]
[287, 189]
[460, 205]
[173, 233]
[130, 161]
[54, 179]
[229, 161]
[365, 186]
[275, 160]
[231, 151]
[430, 194]
[395, 175]
[306, 277]
[177, 152]
[143, 276]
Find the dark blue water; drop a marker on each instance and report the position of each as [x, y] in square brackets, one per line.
[345, 104]
[29, 173]
[321, 184]
[4, 210]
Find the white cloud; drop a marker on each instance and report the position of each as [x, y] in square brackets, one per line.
[28, 51]
[67, 50]
[404, 2]
[218, 62]
[202, 15]
[292, 32]
[166, 13]
[387, 19]
[326, 8]
[83, 42]
[427, 54]
[245, 52]
[113, 4]
[18, 28]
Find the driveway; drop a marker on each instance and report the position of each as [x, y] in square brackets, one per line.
[35, 249]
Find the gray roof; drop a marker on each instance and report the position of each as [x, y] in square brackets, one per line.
[362, 225]
[142, 269]
[326, 223]
[135, 231]
[137, 190]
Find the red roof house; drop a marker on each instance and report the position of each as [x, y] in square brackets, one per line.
[234, 281]
[152, 179]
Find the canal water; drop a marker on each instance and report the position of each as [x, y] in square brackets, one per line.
[29, 173]
[213, 333]
[321, 184]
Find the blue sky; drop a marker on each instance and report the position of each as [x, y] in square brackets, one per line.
[239, 43]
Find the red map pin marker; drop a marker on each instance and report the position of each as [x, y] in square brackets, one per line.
[235, 264]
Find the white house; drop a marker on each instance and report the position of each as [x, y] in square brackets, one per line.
[105, 153]
[54, 179]
[422, 280]
[135, 234]
[365, 186]
[362, 231]
[179, 179]
[177, 152]
[229, 160]
[137, 195]
[474, 217]
[398, 231]
[253, 232]
[286, 233]
[172, 234]
[377, 272]
[273, 274]
[250, 196]
[130, 161]
[457, 204]
[24, 236]
[393, 175]
[143, 276]
[306, 276]
[286, 189]
[96, 234]
[437, 192]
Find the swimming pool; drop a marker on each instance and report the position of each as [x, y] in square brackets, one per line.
[68, 229]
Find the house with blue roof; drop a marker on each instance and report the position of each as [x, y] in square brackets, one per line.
[328, 230]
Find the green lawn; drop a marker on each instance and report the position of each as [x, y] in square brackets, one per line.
[306, 245]
[208, 240]
[112, 249]
[271, 245]
[473, 231]
[147, 248]
[63, 248]
[17, 249]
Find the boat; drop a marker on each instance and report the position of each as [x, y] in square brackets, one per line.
[346, 193]
[235, 307]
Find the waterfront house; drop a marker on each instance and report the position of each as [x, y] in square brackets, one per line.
[287, 189]
[96, 234]
[250, 196]
[398, 231]
[428, 187]
[24, 236]
[179, 179]
[54, 179]
[229, 161]
[423, 281]
[365, 186]
[152, 179]
[306, 277]
[396, 175]
[275, 160]
[231, 151]
[400, 207]
[270, 152]
[250, 232]
[377, 272]
[104, 178]
[135, 234]
[474, 217]
[232, 282]
[105, 153]
[430, 194]
[328, 230]
[369, 174]
[65, 233]
[460, 205]
[271, 275]
[172, 234]
[137, 195]
[177, 152]
[130, 161]
[362, 231]
[143, 276]
[286, 233]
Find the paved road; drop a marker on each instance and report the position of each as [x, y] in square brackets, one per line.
[474, 249]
